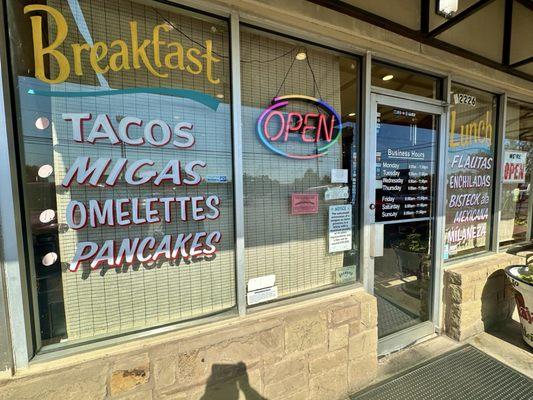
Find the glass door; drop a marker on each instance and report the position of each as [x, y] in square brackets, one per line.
[404, 154]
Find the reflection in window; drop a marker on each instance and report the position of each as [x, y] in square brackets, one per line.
[141, 95]
[470, 171]
[299, 168]
[516, 201]
[407, 81]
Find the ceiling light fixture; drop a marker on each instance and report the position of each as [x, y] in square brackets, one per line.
[447, 8]
[301, 55]
[220, 96]
[387, 77]
[351, 115]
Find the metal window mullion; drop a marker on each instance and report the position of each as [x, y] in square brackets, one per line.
[366, 261]
[440, 217]
[498, 163]
[238, 183]
[12, 241]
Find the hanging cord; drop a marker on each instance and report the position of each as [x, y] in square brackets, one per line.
[315, 83]
[285, 77]
[214, 52]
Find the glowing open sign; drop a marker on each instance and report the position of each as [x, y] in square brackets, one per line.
[313, 127]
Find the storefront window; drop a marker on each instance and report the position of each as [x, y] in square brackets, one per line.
[300, 134]
[470, 171]
[405, 80]
[516, 201]
[124, 125]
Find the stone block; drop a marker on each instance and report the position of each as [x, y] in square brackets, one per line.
[192, 368]
[285, 368]
[343, 315]
[338, 337]
[301, 395]
[124, 380]
[361, 372]
[80, 382]
[356, 328]
[288, 386]
[328, 361]
[141, 395]
[332, 384]
[249, 349]
[369, 312]
[363, 343]
[305, 331]
[164, 372]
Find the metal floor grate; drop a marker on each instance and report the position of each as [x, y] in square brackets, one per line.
[466, 373]
[392, 319]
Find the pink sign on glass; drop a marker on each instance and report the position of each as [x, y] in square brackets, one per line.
[304, 203]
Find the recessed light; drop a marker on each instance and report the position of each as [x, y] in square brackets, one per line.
[351, 115]
[301, 55]
[388, 77]
[220, 96]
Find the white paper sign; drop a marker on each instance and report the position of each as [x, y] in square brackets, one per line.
[336, 193]
[339, 176]
[514, 168]
[261, 282]
[262, 295]
[340, 228]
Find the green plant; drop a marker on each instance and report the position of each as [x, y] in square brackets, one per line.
[528, 275]
[413, 243]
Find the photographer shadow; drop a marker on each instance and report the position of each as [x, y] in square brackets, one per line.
[228, 381]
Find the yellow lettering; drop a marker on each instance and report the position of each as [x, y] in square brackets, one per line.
[452, 142]
[157, 42]
[139, 52]
[76, 49]
[123, 54]
[210, 60]
[488, 131]
[39, 51]
[97, 56]
[178, 54]
[192, 58]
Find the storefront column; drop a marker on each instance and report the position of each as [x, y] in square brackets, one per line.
[367, 270]
[238, 184]
[440, 220]
[17, 296]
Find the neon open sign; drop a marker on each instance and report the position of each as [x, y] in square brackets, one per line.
[314, 128]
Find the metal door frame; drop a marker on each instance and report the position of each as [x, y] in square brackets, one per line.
[410, 335]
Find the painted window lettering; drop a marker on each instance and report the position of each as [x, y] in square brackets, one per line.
[117, 55]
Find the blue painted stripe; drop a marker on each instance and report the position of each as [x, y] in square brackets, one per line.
[202, 98]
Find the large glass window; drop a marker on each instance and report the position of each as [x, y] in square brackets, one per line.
[516, 200]
[470, 170]
[300, 118]
[405, 80]
[125, 130]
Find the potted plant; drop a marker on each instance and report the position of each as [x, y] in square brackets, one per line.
[411, 251]
[521, 277]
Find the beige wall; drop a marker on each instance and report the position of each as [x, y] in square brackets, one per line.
[318, 349]
[306, 20]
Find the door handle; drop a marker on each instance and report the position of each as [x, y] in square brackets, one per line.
[372, 206]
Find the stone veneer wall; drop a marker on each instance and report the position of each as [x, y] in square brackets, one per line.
[323, 348]
[477, 294]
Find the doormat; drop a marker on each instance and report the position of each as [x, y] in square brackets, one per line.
[465, 373]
